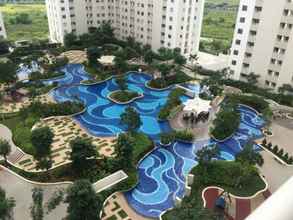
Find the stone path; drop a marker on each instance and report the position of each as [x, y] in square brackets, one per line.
[21, 191]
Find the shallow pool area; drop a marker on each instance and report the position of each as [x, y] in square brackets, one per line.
[162, 173]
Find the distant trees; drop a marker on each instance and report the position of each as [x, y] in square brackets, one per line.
[6, 206]
[131, 119]
[81, 151]
[83, 202]
[5, 148]
[42, 139]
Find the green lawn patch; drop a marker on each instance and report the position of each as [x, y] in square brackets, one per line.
[142, 145]
[124, 96]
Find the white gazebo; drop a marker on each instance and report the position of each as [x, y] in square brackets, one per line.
[107, 60]
[197, 105]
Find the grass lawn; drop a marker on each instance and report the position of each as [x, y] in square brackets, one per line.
[38, 29]
[219, 24]
[142, 145]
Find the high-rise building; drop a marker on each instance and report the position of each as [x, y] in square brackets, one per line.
[263, 42]
[159, 23]
[2, 27]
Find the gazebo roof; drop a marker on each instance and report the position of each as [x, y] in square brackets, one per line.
[197, 105]
[107, 60]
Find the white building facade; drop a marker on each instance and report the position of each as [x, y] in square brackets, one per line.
[262, 41]
[3, 34]
[159, 23]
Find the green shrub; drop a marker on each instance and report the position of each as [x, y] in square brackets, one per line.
[167, 138]
[184, 135]
[227, 121]
[275, 149]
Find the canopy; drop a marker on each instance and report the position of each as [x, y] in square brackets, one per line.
[197, 105]
[107, 60]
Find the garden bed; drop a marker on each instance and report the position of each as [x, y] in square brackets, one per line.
[221, 174]
[124, 97]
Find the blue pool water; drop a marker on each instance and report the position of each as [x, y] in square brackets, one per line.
[162, 173]
[102, 117]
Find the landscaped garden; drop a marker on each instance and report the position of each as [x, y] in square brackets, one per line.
[104, 134]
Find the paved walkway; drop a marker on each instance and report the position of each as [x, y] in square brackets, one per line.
[282, 131]
[21, 191]
[275, 173]
[16, 153]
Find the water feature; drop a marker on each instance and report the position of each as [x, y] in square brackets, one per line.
[162, 173]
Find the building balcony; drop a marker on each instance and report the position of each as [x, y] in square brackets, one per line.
[275, 67]
[281, 44]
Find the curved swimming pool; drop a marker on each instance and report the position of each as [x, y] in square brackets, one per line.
[162, 173]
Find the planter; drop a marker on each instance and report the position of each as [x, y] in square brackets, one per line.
[126, 102]
[156, 89]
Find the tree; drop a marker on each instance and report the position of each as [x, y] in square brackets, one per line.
[121, 82]
[207, 153]
[93, 53]
[5, 148]
[37, 212]
[7, 71]
[124, 150]
[83, 203]
[82, 150]
[164, 70]
[120, 64]
[252, 78]
[286, 88]
[131, 119]
[148, 57]
[69, 40]
[42, 138]
[250, 156]
[4, 46]
[6, 206]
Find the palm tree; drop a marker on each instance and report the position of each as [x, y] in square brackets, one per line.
[5, 149]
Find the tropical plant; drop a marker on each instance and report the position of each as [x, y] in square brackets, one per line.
[207, 153]
[81, 151]
[131, 119]
[249, 155]
[121, 82]
[83, 202]
[124, 150]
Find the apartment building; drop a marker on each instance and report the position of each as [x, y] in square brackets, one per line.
[263, 42]
[159, 23]
[2, 27]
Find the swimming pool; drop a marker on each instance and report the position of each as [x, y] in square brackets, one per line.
[162, 173]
